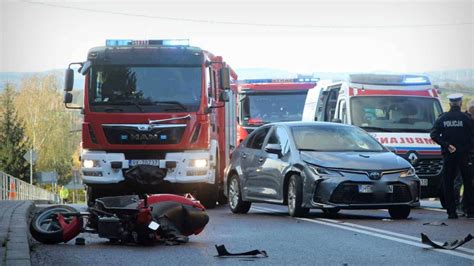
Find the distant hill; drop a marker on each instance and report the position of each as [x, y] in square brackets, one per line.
[464, 77]
[16, 77]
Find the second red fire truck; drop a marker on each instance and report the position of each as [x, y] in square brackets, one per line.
[262, 101]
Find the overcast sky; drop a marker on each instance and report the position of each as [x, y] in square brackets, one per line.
[305, 36]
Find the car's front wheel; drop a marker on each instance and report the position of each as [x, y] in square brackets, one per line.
[399, 212]
[295, 197]
[236, 204]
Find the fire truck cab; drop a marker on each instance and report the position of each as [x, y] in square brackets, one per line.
[398, 110]
[157, 104]
[262, 101]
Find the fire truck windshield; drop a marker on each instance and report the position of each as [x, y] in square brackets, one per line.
[144, 88]
[394, 113]
[257, 109]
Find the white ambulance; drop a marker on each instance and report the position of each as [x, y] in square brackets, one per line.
[398, 110]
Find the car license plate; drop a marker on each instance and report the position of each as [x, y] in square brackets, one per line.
[424, 182]
[144, 162]
[370, 189]
[366, 189]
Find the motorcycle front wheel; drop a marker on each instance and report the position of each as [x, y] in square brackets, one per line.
[47, 230]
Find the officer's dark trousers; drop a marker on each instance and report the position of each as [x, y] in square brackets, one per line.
[451, 163]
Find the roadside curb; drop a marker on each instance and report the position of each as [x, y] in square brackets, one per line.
[14, 236]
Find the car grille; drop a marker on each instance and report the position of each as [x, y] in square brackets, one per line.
[429, 167]
[126, 135]
[348, 193]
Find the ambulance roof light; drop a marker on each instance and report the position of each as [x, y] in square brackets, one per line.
[170, 42]
[394, 80]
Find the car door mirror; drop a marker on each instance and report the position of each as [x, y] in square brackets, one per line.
[273, 148]
[391, 149]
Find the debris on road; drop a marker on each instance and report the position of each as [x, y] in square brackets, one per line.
[222, 252]
[436, 223]
[453, 245]
[80, 241]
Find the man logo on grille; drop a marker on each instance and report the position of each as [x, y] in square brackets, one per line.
[375, 175]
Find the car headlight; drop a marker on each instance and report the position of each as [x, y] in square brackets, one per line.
[409, 172]
[90, 163]
[321, 171]
[200, 163]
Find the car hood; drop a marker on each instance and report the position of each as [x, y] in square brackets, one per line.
[355, 160]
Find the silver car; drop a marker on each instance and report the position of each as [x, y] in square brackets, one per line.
[321, 165]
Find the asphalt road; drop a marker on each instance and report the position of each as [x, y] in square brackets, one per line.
[350, 238]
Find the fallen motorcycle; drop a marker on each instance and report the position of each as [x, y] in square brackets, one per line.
[124, 219]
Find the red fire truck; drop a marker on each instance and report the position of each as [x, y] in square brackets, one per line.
[262, 101]
[158, 104]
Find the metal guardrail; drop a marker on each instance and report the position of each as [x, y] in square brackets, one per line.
[12, 188]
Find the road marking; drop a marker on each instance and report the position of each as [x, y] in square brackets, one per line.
[432, 209]
[377, 233]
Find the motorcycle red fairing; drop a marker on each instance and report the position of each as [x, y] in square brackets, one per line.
[124, 219]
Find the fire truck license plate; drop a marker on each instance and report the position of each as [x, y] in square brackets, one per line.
[424, 182]
[144, 162]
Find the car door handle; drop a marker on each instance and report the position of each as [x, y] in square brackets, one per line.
[261, 159]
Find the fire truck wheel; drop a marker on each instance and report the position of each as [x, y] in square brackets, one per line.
[222, 199]
[208, 196]
[92, 194]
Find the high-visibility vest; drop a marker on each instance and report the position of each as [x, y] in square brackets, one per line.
[12, 192]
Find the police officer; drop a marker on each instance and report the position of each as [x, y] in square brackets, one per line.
[453, 131]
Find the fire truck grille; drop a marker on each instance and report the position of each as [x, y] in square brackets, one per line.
[348, 193]
[429, 167]
[132, 136]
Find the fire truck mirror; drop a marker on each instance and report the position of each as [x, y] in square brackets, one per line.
[225, 78]
[67, 97]
[224, 96]
[69, 80]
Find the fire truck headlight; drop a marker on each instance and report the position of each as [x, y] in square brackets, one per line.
[201, 163]
[90, 163]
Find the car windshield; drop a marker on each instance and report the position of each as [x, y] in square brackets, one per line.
[334, 138]
[145, 88]
[395, 114]
[258, 109]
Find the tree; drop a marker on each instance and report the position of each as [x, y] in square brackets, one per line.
[49, 126]
[13, 143]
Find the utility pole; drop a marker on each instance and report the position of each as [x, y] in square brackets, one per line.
[31, 157]
[31, 167]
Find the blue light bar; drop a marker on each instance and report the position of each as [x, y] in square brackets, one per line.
[298, 80]
[171, 42]
[393, 80]
[118, 43]
[177, 42]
